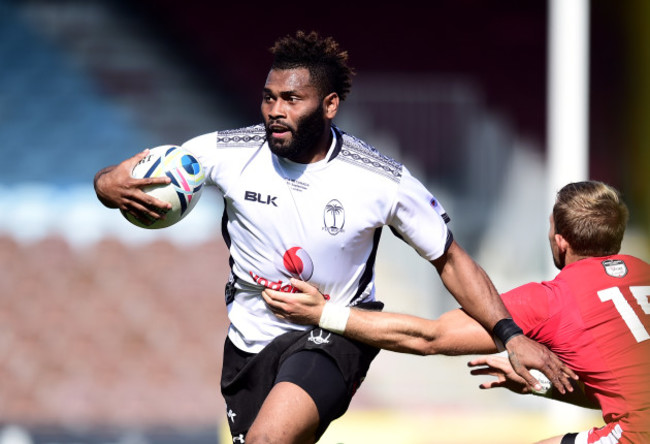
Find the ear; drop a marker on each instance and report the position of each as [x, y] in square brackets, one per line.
[331, 105]
[561, 243]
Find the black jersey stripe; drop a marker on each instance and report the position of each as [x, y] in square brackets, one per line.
[369, 271]
[224, 227]
[339, 143]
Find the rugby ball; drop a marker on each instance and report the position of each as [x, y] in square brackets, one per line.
[543, 380]
[187, 179]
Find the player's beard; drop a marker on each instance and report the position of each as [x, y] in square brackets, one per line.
[304, 136]
[559, 257]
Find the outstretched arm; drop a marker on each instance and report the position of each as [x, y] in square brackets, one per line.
[115, 188]
[454, 333]
[473, 289]
[409, 334]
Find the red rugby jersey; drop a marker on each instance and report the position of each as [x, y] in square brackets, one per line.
[595, 315]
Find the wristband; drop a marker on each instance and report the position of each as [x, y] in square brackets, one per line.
[334, 318]
[505, 330]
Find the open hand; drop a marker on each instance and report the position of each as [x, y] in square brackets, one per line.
[499, 366]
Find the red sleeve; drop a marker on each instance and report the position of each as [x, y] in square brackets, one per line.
[528, 305]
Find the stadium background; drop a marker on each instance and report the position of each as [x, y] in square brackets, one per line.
[110, 333]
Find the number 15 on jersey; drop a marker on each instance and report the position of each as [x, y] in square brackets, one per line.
[642, 296]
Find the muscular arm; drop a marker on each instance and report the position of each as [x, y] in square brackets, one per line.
[473, 289]
[471, 286]
[99, 177]
[454, 333]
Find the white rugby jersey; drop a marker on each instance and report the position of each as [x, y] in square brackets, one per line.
[319, 222]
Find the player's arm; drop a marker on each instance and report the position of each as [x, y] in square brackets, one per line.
[471, 287]
[115, 188]
[474, 290]
[499, 367]
[454, 333]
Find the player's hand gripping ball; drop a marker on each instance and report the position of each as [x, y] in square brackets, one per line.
[187, 178]
[543, 380]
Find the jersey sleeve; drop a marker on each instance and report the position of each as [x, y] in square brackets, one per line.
[529, 307]
[203, 147]
[419, 219]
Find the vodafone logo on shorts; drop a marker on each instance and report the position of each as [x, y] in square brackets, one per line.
[297, 262]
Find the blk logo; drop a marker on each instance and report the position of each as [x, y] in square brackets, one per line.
[257, 197]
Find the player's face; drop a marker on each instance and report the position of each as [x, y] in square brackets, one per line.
[293, 116]
[558, 256]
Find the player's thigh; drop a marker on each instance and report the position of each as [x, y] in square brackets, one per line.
[288, 416]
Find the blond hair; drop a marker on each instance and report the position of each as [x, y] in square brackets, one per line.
[592, 217]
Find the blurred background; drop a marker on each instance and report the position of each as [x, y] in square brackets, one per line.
[113, 334]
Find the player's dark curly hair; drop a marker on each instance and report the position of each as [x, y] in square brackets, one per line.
[327, 64]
